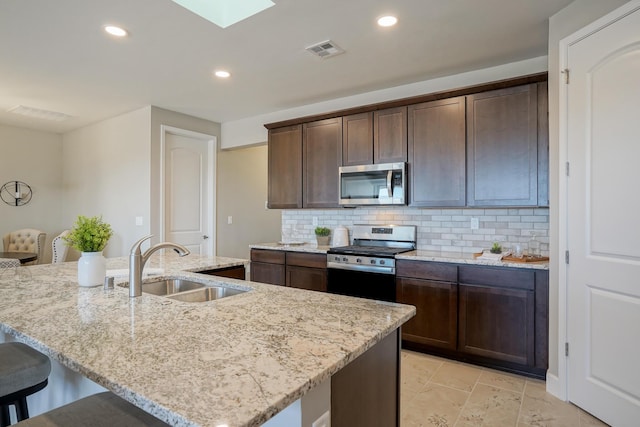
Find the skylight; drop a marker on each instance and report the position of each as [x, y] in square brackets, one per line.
[224, 13]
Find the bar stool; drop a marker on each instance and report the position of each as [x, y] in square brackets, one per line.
[23, 371]
[99, 410]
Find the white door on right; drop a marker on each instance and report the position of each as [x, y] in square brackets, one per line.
[603, 189]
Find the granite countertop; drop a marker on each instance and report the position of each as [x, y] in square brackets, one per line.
[304, 247]
[467, 259]
[418, 255]
[236, 361]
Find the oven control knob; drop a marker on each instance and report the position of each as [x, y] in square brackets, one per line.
[345, 259]
[373, 261]
[336, 258]
[358, 260]
[381, 262]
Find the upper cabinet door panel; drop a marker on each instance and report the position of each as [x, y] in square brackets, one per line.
[390, 135]
[437, 153]
[285, 168]
[502, 147]
[543, 144]
[322, 156]
[357, 139]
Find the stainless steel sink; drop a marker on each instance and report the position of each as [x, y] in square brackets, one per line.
[170, 286]
[208, 293]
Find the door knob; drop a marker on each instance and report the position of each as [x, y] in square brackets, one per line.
[205, 237]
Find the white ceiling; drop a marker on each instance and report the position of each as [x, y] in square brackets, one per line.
[55, 56]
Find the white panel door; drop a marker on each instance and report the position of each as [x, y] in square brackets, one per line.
[187, 192]
[603, 136]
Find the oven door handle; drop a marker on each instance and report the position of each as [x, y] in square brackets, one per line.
[365, 268]
[389, 182]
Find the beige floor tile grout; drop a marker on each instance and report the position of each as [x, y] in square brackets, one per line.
[465, 403]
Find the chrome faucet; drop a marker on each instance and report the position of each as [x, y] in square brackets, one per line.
[137, 260]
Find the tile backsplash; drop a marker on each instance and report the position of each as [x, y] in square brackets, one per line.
[447, 230]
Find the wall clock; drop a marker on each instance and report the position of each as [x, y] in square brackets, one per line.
[15, 193]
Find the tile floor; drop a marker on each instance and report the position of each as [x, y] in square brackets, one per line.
[444, 393]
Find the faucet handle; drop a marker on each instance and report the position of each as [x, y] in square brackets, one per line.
[135, 249]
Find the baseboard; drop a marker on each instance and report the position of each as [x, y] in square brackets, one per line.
[554, 386]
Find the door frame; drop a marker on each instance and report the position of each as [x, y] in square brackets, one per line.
[559, 386]
[212, 141]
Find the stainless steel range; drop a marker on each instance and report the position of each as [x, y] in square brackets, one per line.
[367, 267]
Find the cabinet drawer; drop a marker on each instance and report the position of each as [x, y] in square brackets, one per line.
[427, 270]
[307, 260]
[497, 277]
[313, 279]
[264, 255]
[273, 274]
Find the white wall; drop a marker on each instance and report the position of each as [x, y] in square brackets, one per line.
[242, 193]
[35, 158]
[251, 130]
[106, 171]
[570, 19]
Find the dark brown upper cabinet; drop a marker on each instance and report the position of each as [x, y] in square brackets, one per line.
[543, 144]
[357, 139]
[502, 147]
[285, 168]
[390, 135]
[437, 153]
[321, 158]
[375, 137]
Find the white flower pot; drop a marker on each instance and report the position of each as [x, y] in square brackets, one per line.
[92, 268]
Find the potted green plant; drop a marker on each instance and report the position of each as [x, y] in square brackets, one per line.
[90, 236]
[496, 248]
[322, 236]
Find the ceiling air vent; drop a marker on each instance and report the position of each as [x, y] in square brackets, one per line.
[325, 49]
[38, 113]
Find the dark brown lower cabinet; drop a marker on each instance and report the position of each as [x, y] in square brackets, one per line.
[294, 269]
[268, 266]
[493, 316]
[436, 321]
[366, 392]
[313, 279]
[497, 323]
[307, 271]
[235, 272]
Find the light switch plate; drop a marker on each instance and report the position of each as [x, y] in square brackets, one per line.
[229, 220]
[139, 220]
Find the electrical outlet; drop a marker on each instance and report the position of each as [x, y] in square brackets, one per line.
[139, 220]
[229, 220]
[475, 223]
[315, 221]
[323, 421]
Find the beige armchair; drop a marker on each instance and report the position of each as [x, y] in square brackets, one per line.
[59, 248]
[25, 240]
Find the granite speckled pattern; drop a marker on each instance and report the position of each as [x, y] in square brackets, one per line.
[307, 247]
[417, 255]
[467, 259]
[236, 361]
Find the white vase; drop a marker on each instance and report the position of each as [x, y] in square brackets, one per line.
[92, 268]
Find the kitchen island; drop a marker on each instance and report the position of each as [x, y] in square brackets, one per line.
[237, 361]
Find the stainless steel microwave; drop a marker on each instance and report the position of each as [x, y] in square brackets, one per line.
[381, 184]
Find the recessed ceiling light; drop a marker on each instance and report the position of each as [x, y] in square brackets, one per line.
[222, 74]
[387, 21]
[115, 31]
